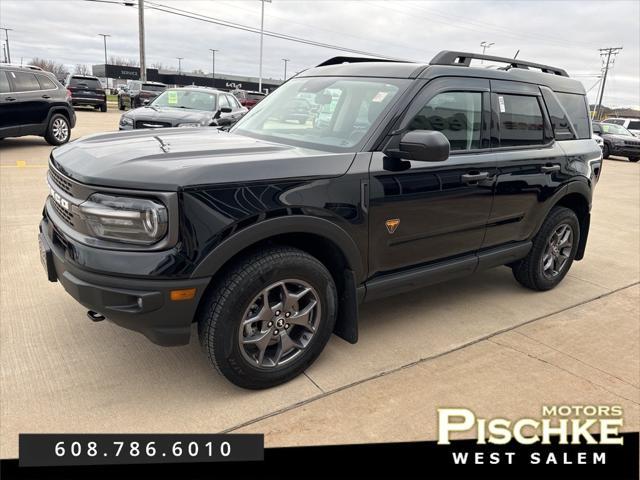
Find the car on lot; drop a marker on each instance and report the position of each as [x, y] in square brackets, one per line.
[34, 102]
[87, 91]
[139, 93]
[271, 234]
[247, 98]
[631, 124]
[618, 141]
[185, 107]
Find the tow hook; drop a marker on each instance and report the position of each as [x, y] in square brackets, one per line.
[95, 316]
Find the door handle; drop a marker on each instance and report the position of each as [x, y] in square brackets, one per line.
[10, 99]
[550, 168]
[474, 177]
[46, 96]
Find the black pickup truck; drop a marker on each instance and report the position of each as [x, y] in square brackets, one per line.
[270, 235]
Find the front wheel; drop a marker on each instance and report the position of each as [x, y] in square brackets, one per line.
[103, 107]
[552, 253]
[269, 317]
[634, 159]
[605, 151]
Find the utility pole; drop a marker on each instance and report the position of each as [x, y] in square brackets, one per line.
[180, 65]
[285, 60]
[143, 67]
[608, 52]
[213, 66]
[4, 51]
[484, 46]
[104, 36]
[6, 33]
[261, 43]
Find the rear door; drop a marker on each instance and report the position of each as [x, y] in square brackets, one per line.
[531, 165]
[424, 212]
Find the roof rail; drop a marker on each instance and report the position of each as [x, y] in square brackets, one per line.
[339, 60]
[463, 59]
[16, 65]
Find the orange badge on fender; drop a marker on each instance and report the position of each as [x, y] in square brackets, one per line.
[392, 224]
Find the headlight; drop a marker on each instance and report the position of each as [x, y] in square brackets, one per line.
[126, 121]
[124, 219]
[191, 124]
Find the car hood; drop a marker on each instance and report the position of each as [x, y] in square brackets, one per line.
[168, 159]
[169, 114]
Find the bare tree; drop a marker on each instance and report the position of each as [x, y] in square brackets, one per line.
[199, 71]
[58, 69]
[81, 69]
[159, 66]
[125, 62]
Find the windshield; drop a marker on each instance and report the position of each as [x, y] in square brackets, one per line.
[153, 88]
[614, 129]
[321, 112]
[189, 99]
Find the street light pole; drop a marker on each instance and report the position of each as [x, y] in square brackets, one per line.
[179, 65]
[213, 66]
[6, 32]
[261, 43]
[484, 46]
[143, 67]
[104, 36]
[285, 60]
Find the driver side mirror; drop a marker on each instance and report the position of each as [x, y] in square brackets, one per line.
[423, 146]
[222, 110]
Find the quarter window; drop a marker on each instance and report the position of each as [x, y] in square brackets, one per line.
[576, 108]
[25, 82]
[521, 121]
[458, 115]
[46, 83]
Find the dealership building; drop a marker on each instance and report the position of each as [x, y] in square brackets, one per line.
[119, 74]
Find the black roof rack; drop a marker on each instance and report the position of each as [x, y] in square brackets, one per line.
[463, 59]
[339, 60]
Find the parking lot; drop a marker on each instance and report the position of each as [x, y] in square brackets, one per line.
[483, 342]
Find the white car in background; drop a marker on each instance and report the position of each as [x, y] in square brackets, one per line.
[631, 124]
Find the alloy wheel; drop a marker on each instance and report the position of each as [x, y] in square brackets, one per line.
[60, 129]
[557, 251]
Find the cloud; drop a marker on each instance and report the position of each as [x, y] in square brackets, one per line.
[567, 34]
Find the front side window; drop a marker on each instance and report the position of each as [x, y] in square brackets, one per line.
[521, 121]
[224, 103]
[189, 99]
[458, 115]
[4, 82]
[613, 129]
[332, 113]
[25, 82]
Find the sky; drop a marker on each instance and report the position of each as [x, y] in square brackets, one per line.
[566, 34]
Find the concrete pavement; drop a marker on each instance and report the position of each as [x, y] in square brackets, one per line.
[482, 342]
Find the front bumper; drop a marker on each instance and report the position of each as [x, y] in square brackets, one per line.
[625, 151]
[133, 303]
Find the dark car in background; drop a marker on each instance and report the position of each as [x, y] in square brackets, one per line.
[87, 91]
[185, 107]
[247, 98]
[139, 94]
[617, 141]
[33, 102]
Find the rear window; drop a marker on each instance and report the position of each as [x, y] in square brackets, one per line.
[24, 82]
[521, 121]
[85, 82]
[576, 108]
[153, 88]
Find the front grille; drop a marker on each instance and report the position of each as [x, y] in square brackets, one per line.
[632, 143]
[151, 124]
[66, 215]
[61, 182]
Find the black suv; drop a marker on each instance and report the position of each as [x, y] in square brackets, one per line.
[271, 234]
[139, 94]
[87, 91]
[33, 102]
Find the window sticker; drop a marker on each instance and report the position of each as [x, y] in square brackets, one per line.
[380, 96]
[172, 97]
[501, 102]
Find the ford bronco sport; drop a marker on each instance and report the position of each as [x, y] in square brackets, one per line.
[270, 235]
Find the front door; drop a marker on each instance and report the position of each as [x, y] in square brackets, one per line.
[422, 212]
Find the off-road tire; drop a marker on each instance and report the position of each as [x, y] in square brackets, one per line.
[529, 271]
[221, 313]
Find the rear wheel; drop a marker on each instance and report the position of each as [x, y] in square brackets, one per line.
[269, 317]
[120, 104]
[58, 131]
[634, 159]
[552, 253]
[103, 107]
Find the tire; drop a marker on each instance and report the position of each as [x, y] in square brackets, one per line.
[530, 271]
[605, 151]
[103, 107]
[238, 295]
[120, 104]
[58, 130]
[634, 159]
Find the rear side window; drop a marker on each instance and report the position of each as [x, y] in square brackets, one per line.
[458, 115]
[46, 83]
[4, 82]
[634, 125]
[559, 121]
[576, 107]
[25, 82]
[521, 121]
